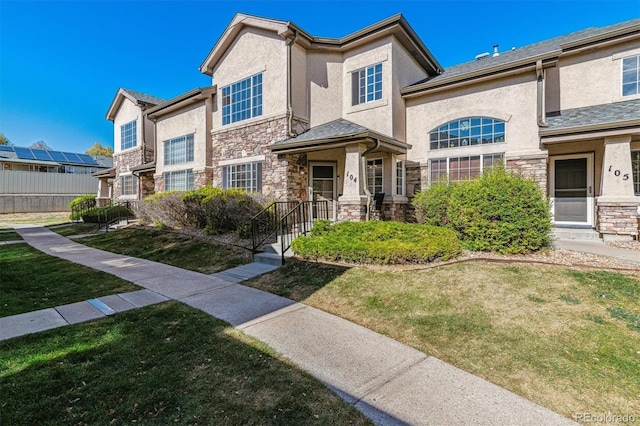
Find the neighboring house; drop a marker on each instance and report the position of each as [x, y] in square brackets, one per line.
[38, 180]
[373, 114]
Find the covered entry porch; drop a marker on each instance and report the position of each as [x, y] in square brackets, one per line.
[359, 172]
[594, 172]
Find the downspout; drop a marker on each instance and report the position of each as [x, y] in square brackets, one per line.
[363, 176]
[144, 153]
[540, 94]
[289, 103]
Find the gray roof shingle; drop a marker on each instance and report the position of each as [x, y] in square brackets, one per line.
[531, 50]
[596, 114]
[143, 97]
[332, 129]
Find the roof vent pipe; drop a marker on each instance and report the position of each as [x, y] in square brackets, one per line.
[495, 50]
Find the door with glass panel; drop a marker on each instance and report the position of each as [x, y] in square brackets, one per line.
[571, 189]
[322, 180]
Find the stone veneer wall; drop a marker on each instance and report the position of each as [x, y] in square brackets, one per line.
[202, 177]
[534, 168]
[394, 211]
[123, 162]
[417, 179]
[147, 184]
[281, 178]
[617, 219]
[352, 212]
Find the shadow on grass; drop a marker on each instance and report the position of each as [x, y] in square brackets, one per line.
[167, 364]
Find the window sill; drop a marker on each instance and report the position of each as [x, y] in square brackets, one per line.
[368, 105]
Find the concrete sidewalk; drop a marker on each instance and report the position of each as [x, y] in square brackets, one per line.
[598, 247]
[389, 382]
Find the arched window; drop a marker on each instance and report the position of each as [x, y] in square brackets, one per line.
[467, 131]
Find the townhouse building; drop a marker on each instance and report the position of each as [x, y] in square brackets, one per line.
[374, 116]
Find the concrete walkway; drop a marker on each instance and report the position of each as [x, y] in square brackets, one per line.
[389, 382]
[601, 249]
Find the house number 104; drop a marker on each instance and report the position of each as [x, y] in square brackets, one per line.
[617, 173]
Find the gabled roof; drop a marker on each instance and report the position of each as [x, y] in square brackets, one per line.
[527, 55]
[336, 133]
[395, 25]
[606, 116]
[180, 101]
[140, 99]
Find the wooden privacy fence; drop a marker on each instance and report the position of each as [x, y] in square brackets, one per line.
[14, 182]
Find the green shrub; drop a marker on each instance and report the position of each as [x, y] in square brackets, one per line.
[227, 210]
[431, 206]
[377, 242]
[98, 214]
[499, 211]
[164, 207]
[77, 201]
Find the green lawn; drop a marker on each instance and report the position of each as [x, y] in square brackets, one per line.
[31, 280]
[567, 340]
[171, 248]
[10, 236]
[163, 364]
[76, 229]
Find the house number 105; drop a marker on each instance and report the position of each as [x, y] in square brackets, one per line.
[617, 173]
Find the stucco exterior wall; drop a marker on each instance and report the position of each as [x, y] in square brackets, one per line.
[254, 51]
[127, 112]
[406, 71]
[511, 99]
[189, 120]
[325, 86]
[594, 77]
[376, 115]
[299, 93]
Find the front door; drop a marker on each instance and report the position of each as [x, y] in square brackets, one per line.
[571, 189]
[322, 181]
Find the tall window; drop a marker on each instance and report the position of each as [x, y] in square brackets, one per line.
[181, 180]
[367, 84]
[400, 178]
[128, 185]
[247, 177]
[128, 135]
[454, 169]
[374, 175]
[635, 166]
[178, 150]
[242, 100]
[466, 132]
[631, 76]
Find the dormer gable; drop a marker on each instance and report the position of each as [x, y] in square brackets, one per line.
[141, 100]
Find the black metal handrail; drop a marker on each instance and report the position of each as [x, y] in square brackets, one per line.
[80, 209]
[264, 225]
[116, 213]
[299, 221]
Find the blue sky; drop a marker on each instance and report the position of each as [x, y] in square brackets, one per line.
[61, 62]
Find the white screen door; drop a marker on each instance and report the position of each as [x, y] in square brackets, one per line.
[571, 188]
[323, 183]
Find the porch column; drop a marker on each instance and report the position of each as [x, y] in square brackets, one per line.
[617, 207]
[352, 203]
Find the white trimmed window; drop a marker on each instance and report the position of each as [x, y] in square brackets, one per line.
[400, 177]
[374, 176]
[128, 135]
[455, 169]
[242, 100]
[635, 166]
[178, 150]
[467, 131]
[247, 177]
[180, 180]
[128, 185]
[631, 76]
[366, 84]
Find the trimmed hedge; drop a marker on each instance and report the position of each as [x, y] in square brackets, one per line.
[499, 211]
[96, 214]
[77, 201]
[377, 242]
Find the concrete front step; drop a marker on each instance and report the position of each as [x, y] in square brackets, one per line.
[577, 234]
[268, 258]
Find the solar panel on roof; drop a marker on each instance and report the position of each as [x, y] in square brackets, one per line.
[87, 159]
[58, 156]
[24, 153]
[6, 148]
[41, 154]
[73, 158]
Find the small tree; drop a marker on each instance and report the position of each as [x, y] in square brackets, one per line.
[98, 149]
[41, 145]
[5, 140]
